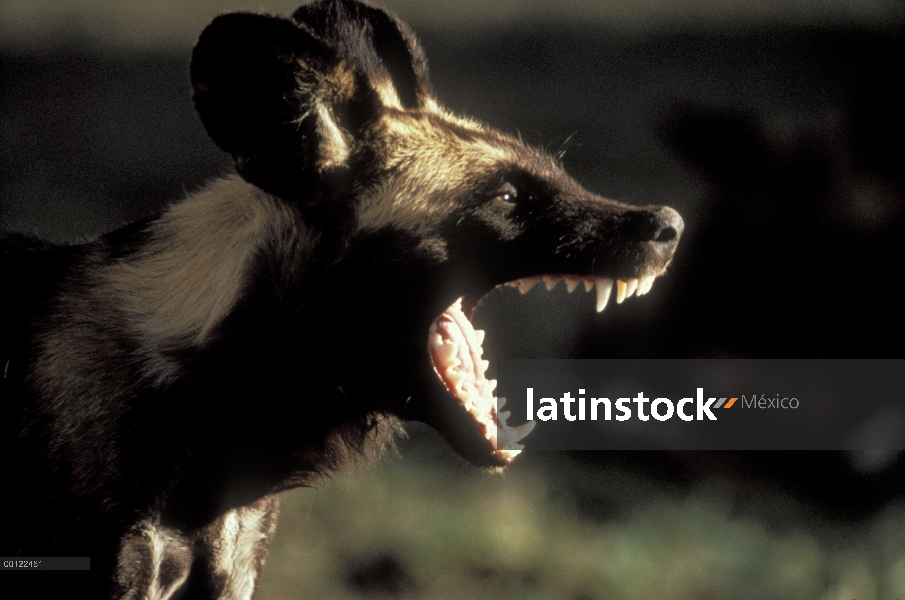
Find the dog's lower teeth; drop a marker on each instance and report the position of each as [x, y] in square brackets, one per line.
[523, 430]
[465, 370]
[507, 437]
[446, 353]
[455, 379]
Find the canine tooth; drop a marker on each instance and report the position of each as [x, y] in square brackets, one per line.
[645, 285]
[480, 333]
[621, 286]
[491, 384]
[523, 430]
[525, 285]
[550, 282]
[604, 289]
[484, 364]
[631, 286]
[571, 283]
[588, 284]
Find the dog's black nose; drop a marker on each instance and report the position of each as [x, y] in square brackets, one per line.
[660, 225]
[667, 224]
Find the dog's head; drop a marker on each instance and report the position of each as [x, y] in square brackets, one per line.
[421, 213]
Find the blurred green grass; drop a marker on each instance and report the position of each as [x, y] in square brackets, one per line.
[422, 525]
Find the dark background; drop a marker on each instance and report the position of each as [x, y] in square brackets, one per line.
[780, 140]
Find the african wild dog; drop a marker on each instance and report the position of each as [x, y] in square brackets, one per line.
[163, 382]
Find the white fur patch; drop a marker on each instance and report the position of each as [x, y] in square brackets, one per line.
[238, 542]
[115, 327]
[179, 289]
[154, 561]
[186, 282]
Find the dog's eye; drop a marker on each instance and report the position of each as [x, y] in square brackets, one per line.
[507, 193]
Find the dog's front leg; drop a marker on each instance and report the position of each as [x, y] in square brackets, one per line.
[230, 551]
[220, 561]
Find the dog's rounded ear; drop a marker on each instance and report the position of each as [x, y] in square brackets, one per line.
[382, 46]
[278, 98]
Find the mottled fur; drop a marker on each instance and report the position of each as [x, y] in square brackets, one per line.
[162, 383]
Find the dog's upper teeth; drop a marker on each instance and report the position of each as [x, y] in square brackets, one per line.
[525, 285]
[604, 289]
[624, 289]
[631, 287]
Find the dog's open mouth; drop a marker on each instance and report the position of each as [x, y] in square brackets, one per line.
[455, 351]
